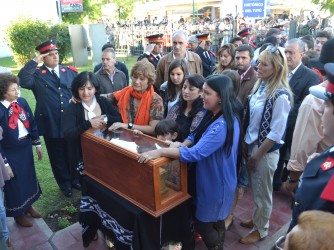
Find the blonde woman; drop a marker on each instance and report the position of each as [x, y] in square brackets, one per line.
[267, 112]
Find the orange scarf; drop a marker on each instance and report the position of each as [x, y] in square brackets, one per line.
[123, 102]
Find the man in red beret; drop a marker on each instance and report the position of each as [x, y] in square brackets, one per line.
[153, 51]
[246, 34]
[207, 56]
[51, 85]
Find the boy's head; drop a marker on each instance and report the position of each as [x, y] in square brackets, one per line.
[168, 129]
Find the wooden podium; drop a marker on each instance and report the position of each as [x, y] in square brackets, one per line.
[110, 158]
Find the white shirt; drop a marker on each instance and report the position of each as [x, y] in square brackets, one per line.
[279, 118]
[56, 69]
[295, 69]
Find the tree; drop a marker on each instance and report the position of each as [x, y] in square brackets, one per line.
[91, 13]
[126, 7]
[325, 5]
[24, 34]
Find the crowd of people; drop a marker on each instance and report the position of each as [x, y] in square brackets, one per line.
[241, 118]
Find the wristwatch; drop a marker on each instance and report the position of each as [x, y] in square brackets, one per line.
[130, 125]
[291, 181]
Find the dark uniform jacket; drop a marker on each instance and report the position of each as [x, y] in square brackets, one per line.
[151, 58]
[52, 95]
[315, 178]
[208, 63]
[11, 138]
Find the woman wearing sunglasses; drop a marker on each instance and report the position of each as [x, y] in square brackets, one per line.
[265, 124]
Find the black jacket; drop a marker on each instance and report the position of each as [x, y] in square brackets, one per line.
[75, 124]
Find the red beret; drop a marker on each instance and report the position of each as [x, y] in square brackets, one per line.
[47, 46]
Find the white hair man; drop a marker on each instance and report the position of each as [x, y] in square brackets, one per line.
[193, 60]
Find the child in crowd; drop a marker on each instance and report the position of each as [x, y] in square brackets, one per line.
[166, 130]
[4, 240]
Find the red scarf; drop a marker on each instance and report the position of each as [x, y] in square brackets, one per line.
[16, 113]
[143, 113]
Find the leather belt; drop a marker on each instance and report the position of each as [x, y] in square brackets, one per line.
[22, 138]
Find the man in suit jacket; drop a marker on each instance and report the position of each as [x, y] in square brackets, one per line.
[300, 79]
[207, 56]
[193, 60]
[51, 85]
[153, 51]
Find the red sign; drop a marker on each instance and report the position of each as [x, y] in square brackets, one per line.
[71, 6]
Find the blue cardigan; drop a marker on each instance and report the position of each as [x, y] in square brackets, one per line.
[216, 176]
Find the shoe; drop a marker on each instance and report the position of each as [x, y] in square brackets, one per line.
[251, 238]
[227, 227]
[33, 213]
[67, 192]
[23, 221]
[77, 186]
[247, 224]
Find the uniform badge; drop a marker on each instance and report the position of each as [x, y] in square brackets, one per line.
[327, 164]
[152, 58]
[43, 71]
[63, 70]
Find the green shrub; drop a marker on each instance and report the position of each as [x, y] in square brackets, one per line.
[63, 222]
[24, 34]
[71, 209]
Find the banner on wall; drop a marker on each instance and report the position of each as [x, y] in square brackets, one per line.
[253, 8]
[71, 6]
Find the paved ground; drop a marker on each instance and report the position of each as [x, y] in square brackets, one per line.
[40, 237]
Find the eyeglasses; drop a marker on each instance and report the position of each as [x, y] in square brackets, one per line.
[273, 49]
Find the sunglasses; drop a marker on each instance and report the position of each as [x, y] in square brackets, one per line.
[273, 49]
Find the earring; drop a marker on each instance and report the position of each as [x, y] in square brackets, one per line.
[220, 102]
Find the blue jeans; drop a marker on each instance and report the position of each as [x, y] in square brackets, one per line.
[3, 225]
[243, 176]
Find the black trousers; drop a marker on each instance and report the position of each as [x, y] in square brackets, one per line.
[213, 233]
[281, 174]
[57, 152]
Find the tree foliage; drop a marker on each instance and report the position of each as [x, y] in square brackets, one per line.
[91, 13]
[24, 34]
[126, 7]
[325, 5]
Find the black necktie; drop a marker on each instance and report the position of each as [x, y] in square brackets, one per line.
[53, 72]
